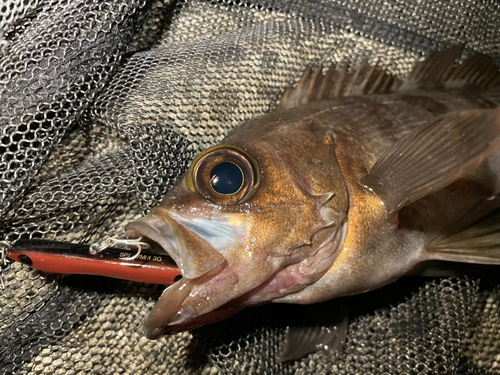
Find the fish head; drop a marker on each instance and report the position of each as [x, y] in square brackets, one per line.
[256, 217]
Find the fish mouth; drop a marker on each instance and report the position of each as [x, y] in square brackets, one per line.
[193, 254]
[198, 262]
[166, 317]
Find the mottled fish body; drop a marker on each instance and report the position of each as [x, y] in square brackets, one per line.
[354, 182]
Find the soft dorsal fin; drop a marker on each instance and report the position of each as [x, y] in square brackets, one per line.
[441, 70]
[478, 70]
[316, 86]
[434, 70]
[434, 155]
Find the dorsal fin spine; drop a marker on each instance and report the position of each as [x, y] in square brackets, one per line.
[441, 70]
[325, 83]
[335, 92]
[438, 70]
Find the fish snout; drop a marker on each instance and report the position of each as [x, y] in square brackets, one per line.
[215, 264]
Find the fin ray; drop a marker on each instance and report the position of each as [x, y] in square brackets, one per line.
[434, 155]
[477, 213]
[440, 70]
[316, 86]
[478, 70]
[328, 337]
[476, 238]
[434, 70]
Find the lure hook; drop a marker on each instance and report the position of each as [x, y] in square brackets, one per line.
[96, 248]
[4, 250]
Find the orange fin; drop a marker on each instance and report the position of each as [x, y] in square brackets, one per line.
[316, 86]
[434, 155]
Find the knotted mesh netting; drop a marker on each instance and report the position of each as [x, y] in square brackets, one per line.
[103, 106]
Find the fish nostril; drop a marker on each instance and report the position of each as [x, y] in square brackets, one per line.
[24, 259]
[177, 278]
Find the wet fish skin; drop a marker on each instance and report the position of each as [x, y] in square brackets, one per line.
[380, 251]
[285, 200]
[310, 229]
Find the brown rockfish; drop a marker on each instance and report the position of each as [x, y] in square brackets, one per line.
[356, 180]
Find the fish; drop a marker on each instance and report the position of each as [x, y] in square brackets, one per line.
[357, 179]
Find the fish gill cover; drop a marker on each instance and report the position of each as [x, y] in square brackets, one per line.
[103, 106]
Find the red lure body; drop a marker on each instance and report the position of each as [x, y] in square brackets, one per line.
[67, 258]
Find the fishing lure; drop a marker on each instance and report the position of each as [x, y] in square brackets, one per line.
[99, 260]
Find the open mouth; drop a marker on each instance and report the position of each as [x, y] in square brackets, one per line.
[193, 255]
[168, 316]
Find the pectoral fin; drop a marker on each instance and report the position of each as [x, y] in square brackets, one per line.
[477, 244]
[434, 155]
[327, 333]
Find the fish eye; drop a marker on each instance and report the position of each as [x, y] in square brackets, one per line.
[226, 178]
[222, 174]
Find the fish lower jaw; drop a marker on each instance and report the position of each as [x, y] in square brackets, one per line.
[167, 308]
[170, 315]
[208, 318]
[182, 306]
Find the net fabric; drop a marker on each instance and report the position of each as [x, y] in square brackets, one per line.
[105, 103]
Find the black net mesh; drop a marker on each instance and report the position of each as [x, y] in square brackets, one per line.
[103, 106]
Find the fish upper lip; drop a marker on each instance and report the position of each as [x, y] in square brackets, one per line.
[193, 255]
[138, 228]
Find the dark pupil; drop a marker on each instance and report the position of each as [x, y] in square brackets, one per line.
[226, 178]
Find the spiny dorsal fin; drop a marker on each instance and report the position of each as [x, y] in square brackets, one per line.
[441, 70]
[314, 86]
[438, 70]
